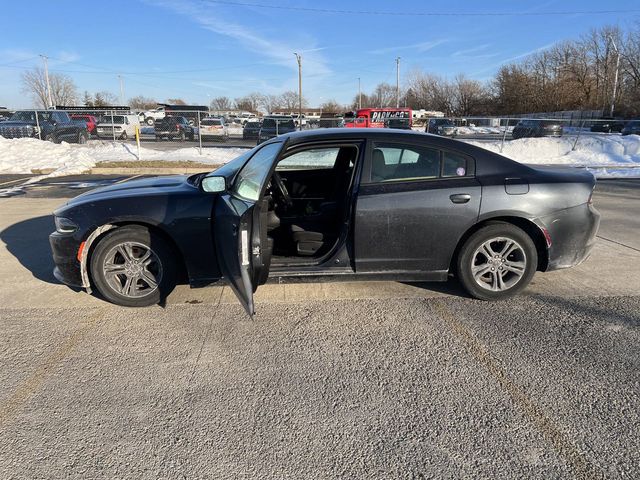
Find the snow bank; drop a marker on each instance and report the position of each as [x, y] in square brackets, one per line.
[592, 150]
[22, 155]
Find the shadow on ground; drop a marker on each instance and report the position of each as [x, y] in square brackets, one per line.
[28, 241]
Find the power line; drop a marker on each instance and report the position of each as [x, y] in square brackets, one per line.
[421, 14]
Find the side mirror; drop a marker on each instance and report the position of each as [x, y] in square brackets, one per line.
[213, 184]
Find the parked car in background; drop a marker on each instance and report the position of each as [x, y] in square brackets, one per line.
[631, 128]
[251, 130]
[151, 116]
[121, 127]
[89, 120]
[274, 125]
[213, 128]
[355, 203]
[609, 125]
[537, 128]
[441, 126]
[331, 120]
[398, 123]
[297, 120]
[174, 127]
[51, 125]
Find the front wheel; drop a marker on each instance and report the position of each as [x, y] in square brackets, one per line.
[497, 262]
[133, 267]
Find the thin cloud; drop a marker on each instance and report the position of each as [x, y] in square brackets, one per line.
[470, 51]
[516, 57]
[420, 47]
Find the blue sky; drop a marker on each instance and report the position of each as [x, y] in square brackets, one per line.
[200, 49]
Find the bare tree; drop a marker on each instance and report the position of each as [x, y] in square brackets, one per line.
[142, 103]
[176, 101]
[104, 99]
[63, 90]
[289, 100]
[221, 103]
[270, 102]
[251, 102]
[331, 106]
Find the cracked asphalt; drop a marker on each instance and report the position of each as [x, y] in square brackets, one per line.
[353, 380]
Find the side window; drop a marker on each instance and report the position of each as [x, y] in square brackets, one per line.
[307, 159]
[404, 162]
[454, 165]
[253, 175]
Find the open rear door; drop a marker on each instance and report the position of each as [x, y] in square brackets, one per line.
[240, 228]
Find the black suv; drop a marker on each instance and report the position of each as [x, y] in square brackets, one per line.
[251, 130]
[441, 126]
[174, 127]
[275, 125]
[608, 125]
[52, 125]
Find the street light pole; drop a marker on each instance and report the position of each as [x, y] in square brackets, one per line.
[121, 89]
[398, 82]
[46, 76]
[615, 78]
[299, 59]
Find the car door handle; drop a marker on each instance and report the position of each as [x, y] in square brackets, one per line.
[460, 197]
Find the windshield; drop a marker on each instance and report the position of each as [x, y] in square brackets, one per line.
[30, 117]
[116, 119]
[282, 123]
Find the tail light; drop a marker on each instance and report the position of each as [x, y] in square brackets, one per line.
[177, 128]
[217, 127]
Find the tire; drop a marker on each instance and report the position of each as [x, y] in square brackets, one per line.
[501, 276]
[180, 137]
[150, 121]
[121, 250]
[124, 136]
[192, 137]
[83, 138]
[158, 138]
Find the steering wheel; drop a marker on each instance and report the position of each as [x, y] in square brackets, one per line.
[284, 193]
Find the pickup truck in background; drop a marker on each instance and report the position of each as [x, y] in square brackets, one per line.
[51, 125]
[174, 127]
[152, 116]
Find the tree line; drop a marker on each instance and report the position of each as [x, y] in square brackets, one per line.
[571, 75]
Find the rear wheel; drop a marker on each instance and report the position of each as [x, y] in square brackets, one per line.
[83, 137]
[180, 137]
[50, 138]
[497, 262]
[150, 121]
[124, 136]
[133, 267]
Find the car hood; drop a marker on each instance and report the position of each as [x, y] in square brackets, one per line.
[170, 185]
[16, 123]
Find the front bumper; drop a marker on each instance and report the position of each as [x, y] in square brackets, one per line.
[67, 266]
[573, 235]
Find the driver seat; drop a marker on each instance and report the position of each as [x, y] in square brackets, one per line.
[307, 241]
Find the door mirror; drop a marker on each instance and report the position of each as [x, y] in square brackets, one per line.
[213, 184]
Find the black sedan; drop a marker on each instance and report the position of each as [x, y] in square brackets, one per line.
[537, 128]
[343, 203]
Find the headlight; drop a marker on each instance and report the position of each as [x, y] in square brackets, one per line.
[64, 225]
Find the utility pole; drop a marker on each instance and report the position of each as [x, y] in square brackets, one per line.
[46, 76]
[398, 82]
[299, 59]
[121, 89]
[359, 95]
[615, 78]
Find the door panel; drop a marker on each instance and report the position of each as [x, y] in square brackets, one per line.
[232, 233]
[412, 226]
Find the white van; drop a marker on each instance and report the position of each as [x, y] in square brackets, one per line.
[124, 126]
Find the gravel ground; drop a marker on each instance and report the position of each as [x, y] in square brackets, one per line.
[535, 388]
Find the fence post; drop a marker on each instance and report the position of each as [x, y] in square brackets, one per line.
[199, 133]
[504, 134]
[427, 129]
[578, 136]
[113, 127]
[38, 125]
[138, 140]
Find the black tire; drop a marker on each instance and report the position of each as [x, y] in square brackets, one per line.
[192, 137]
[180, 137]
[49, 137]
[163, 255]
[83, 137]
[471, 254]
[158, 138]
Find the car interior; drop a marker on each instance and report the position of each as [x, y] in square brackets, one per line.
[308, 203]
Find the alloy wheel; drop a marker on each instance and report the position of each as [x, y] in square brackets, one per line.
[498, 264]
[132, 269]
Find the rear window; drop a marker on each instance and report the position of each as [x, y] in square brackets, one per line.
[282, 123]
[211, 121]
